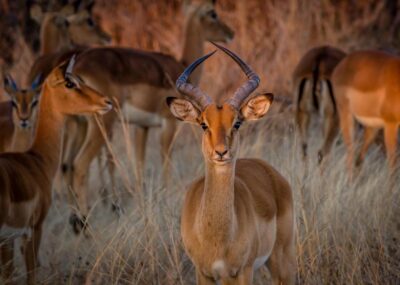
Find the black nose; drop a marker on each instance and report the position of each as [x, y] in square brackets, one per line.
[221, 154]
[24, 123]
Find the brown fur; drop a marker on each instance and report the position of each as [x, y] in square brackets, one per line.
[312, 88]
[26, 178]
[6, 125]
[242, 209]
[143, 80]
[367, 88]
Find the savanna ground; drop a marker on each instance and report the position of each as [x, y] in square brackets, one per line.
[347, 233]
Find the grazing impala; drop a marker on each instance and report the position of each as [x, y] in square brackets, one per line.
[313, 91]
[142, 80]
[367, 89]
[26, 178]
[18, 115]
[240, 214]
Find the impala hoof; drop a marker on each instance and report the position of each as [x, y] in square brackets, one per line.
[78, 224]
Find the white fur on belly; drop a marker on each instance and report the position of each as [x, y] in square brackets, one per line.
[371, 121]
[260, 261]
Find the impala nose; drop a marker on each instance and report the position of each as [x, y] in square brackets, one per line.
[24, 123]
[109, 103]
[221, 153]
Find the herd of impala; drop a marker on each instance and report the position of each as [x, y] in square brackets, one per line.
[236, 218]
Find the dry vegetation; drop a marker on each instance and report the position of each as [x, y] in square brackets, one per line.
[347, 233]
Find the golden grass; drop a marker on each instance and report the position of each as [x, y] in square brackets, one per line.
[347, 233]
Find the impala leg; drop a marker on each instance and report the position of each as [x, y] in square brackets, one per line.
[303, 121]
[390, 133]
[140, 140]
[31, 254]
[70, 131]
[7, 256]
[91, 147]
[303, 113]
[281, 265]
[167, 137]
[203, 280]
[347, 128]
[103, 191]
[74, 136]
[330, 121]
[116, 204]
[369, 136]
[246, 277]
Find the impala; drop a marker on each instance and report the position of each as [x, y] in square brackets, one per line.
[367, 89]
[18, 115]
[142, 80]
[67, 28]
[240, 213]
[26, 178]
[63, 34]
[313, 91]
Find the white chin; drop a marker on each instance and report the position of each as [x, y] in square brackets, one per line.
[104, 111]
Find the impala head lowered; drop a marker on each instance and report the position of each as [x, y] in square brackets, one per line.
[219, 122]
[66, 85]
[24, 101]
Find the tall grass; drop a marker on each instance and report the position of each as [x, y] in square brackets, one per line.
[347, 232]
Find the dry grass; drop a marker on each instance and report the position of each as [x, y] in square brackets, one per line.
[347, 233]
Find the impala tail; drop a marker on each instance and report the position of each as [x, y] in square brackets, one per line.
[315, 76]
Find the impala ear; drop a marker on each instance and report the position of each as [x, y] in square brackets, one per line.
[183, 110]
[256, 107]
[36, 13]
[9, 85]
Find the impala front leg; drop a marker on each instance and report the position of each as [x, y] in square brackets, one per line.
[369, 137]
[7, 256]
[390, 132]
[140, 140]
[167, 138]
[31, 254]
[201, 279]
[90, 149]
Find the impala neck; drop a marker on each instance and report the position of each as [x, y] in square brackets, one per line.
[47, 141]
[193, 46]
[52, 40]
[21, 138]
[217, 215]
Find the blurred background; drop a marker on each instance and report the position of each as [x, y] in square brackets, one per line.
[271, 35]
[346, 234]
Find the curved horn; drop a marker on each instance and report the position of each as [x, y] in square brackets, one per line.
[192, 91]
[247, 88]
[71, 63]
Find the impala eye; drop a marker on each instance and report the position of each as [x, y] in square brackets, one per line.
[204, 126]
[69, 84]
[237, 125]
[213, 14]
[90, 22]
[34, 103]
[13, 104]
